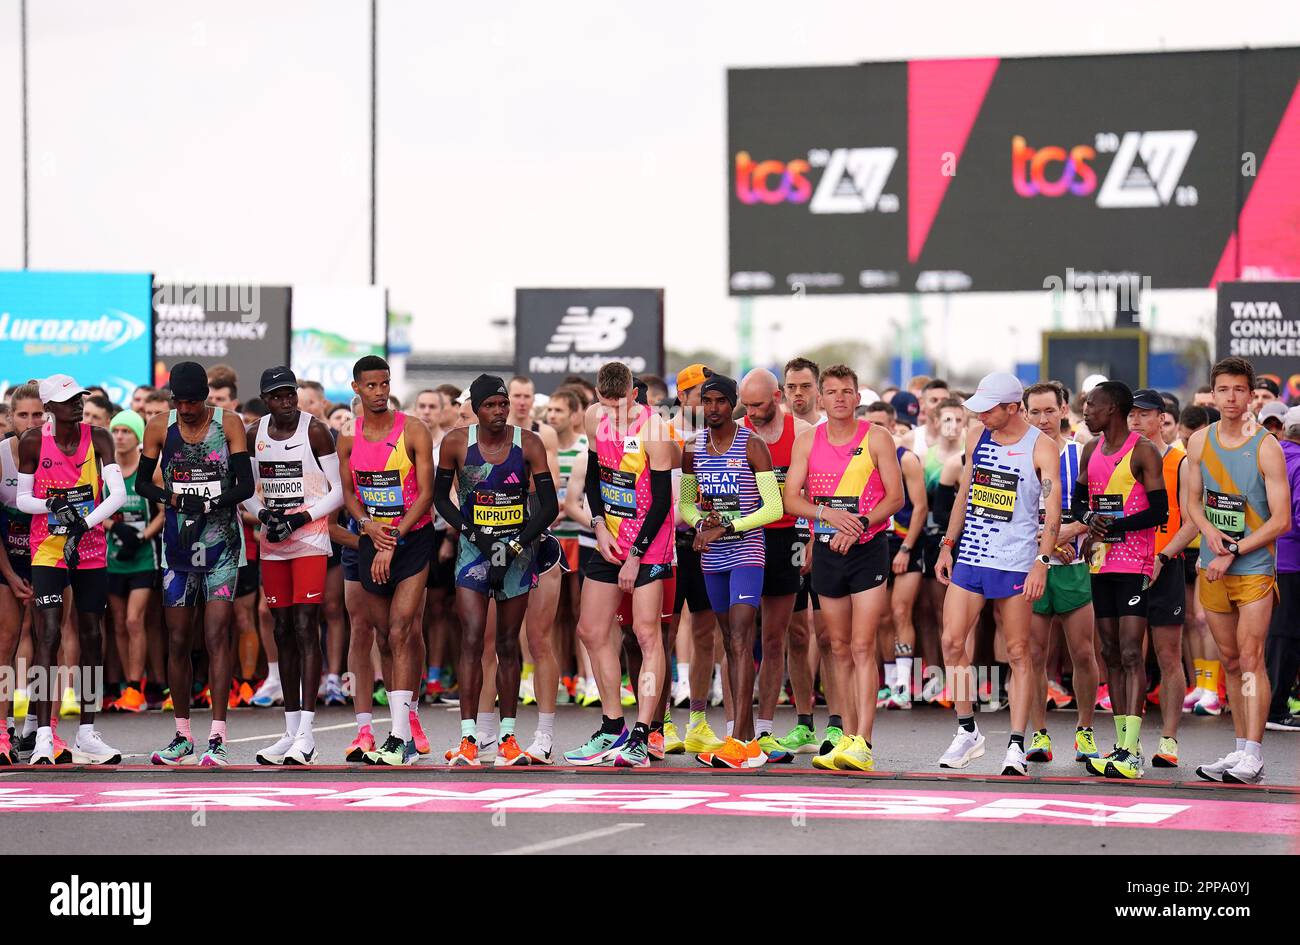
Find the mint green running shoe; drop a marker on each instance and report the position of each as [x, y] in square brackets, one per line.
[801, 740]
[215, 756]
[381, 695]
[393, 753]
[179, 752]
[600, 748]
[830, 739]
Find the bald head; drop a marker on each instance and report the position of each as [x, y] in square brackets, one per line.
[760, 395]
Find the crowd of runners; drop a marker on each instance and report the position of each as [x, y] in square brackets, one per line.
[768, 541]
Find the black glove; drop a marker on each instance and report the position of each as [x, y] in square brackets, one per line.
[72, 548]
[64, 511]
[484, 543]
[191, 504]
[129, 542]
[191, 534]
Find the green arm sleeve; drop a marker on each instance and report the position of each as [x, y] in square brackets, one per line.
[690, 492]
[771, 509]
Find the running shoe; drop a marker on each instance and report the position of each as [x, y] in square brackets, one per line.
[562, 694]
[215, 756]
[1014, 762]
[734, 754]
[526, 694]
[965, 748]
[70, 707]
[1058, 697]
[167, 704]
[320, 689]
[856, 757]
[62, 756]
[302, 752]
[203, 700]
[334, 694]
[91, 749]
[1103, 698]
[179, 752]
[1166, 755]
[826, 761]
[131, 700]
[1247, 770]
[432, 691]
[464, 755]
[1125, 765]
[8, 756]
[701, 738]
[635, 753]
[393, 753]
[364, 742]
[776, 754]
[1193, 696]
[1153, 697]
[380, 695]
[599, 749]
[1085, 745]
[655, 746]
[673, 744]
[589, 693]
[830, 739]
[232, 700]
[27, 743]
[800, 740]
[1208, 704]
[417, 734]
[681, 695]
[451, 696]
[715, 689]
[900, 697]
[1290, 723]
[783, 696]
[1292, 706]
[509, 754]
[1040, 748]
[625, 694]
[22, 702]
[882, 696]
[43, 753]
[539, 752]
[1215, 770]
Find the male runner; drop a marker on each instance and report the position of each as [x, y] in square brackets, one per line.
[573, 528]
[70, 483]
[495, 466]
[784, 547]
[206, 473]
[1010, 468]
[1282, 646]
[950, 444]
[629, 489]
[849, 468]
[297, 490]
[800, 390]
[1068, 592]
[1120, 495]
[389, 463]
[428, 407]
[25, 412]
[933, 395]
[728, 493]
[1239, 498]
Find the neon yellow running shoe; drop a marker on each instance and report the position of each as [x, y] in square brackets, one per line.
[1125, 765]
[70, 707]
[701, 738]
[856, 757]
[1085, 745]
[673, 744]
[775, 751]
[1040, 747]
[827, 762]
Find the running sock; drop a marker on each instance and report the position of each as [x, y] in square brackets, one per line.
[762, 727]
[486, 730]
[697, 715]
[888, 678]
[435, 674]
[656, 726]
[683, 671]
[1198, 674]
[1241, 744]
[805, 720]
[835, 721]
[1132, 731]
[903, 673]
[291, 722]
[364, 720]
[467, 729]
[44, 732]
[29, 724]
[507, 728]
[218, 730]
[611, 726]
[731, 726]
[273, 672]
[1017, 738]
[640, 732]
[1213, 668]
[85, 728]
[1120, 721]
[183, 729]
[545, 727]
[399, 700]
[305, 733]
[967, 722]
[697, 705]
[1254, 750]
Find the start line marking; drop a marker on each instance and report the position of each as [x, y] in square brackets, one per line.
[744, 800]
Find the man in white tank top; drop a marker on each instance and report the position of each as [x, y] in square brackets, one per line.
[297, 487]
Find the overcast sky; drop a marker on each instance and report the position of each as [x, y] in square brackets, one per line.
[519, 144]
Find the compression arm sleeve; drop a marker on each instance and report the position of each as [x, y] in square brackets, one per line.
[333, 500]
[242, 466]
[690, 494]
[661, 502]
[1079, 502]
[115, 487]
[1157, 513]
[442, 479]
[26, 501]
[770, 491]
[144, 484]
[548, 508]
[592, 490]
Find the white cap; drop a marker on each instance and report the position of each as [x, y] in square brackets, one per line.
[868, 395]
[996, 388]
[1274, 409]
[1292, 418]
[58, 388]
[1091, 381]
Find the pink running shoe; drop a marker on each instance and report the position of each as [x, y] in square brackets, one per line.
[417, 735]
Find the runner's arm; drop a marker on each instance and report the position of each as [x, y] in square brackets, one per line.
[1187, 531]
[1048, 461]
[1272, 464]
[914, 478]
[794, 500]
[769, 490]
[419, 446]
[885, 456]
[240, 464]
[689, 491]
[1148, 473]
[29, 453]
[535, 454]
[574, 508]
[957, 520]
[661, 454]
[322, 444]
[592, 489]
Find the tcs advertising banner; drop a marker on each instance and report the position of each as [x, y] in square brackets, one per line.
[1260, 321]
[93, 326]
[998, 174]
[333, 326]
[244, 326]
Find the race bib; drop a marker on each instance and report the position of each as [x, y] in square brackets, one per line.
[618, 492]
[282, 484]
[993, 494]
[780, 476]
[498, 510]
[1109, 505]
[202, 479]
[380, 492]
[83, 497]
[846, 503]
[18, 535]
[726, 505]
[1227, 512]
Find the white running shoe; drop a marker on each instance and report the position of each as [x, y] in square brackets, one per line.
[274, 754]
[268, 694]
[681, 694]
[715, 690]
[1014, 762]
[91, 749]
[1192, 698]
[303, 750]
[1208, 704]
[1215, 771]
[1248, 770]
[43, 753]
[965, 748]
[539, 752]
[526, 690]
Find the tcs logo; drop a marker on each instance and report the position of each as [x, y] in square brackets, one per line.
[772, 182]
[1051, 171]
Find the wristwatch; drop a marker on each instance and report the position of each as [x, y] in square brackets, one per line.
[905, 548]
[729, 527]
[1043, 559]
[514, 545]
[1232, 548]
[946, 542]
[1164, 558]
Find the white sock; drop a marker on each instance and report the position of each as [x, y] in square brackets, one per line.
[273, 673]
[683, 672]
[29, 725]
[364, 719]
[45, 734]
[85, 728]
[1241, 744]
[487, 727]
[903, 674]
[291, 722]
[399, 700]
[305, 732]
[730, 725]
[332, 678]
[1254, 750]
[887, 680]
[545, 728]
[762, 727]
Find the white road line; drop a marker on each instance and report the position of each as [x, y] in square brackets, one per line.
[273, 735]
[568, 841]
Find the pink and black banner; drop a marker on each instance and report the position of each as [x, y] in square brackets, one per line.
[996, 174]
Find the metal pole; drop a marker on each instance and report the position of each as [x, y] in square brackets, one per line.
[26, 148]
[374, 128]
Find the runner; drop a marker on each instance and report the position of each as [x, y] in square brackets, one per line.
[1068, 592]
[297, 490]
[629, 489]
[949, 445]
[1282, 647]
[729, 492]
[206, 473]
[1120, 495]
[494, 464]
[389, 463]
[850, 470]
[1009, 468]
[1244, 507]
[25, 413]
[573, 528]
[801, 390]
[70, 483]
[933, 395]
[784, 547]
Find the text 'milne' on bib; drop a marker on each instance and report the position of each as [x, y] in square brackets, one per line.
[1226, 512]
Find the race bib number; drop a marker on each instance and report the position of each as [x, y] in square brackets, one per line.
[18, 538]
[1109, 505]
[1226, 512]
[83, 497]
[780, 476]
[993, 494]
[845, 503]
[282, 484]
[618, 492]
[726, 505]
[498, 510]
[380, 492]
[202, 479]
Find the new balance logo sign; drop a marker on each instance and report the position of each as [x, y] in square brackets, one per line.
[1146, 169]
[603, 328]
[76, 898]
[854, 180]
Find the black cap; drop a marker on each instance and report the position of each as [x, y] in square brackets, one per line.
[189, 381]
[276, 377]
[1144, 398]
[721, 384]
[485, 386]
[1268, 384]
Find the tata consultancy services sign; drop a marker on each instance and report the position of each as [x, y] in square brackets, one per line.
[559, 332]
[94, 326]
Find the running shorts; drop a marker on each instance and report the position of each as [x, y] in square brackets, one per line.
[863, 568]
[411, 557]
[294, 580]
[1119, 595]
[89, 588]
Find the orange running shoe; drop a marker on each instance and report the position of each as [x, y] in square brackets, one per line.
[232, 700]
[245, 694]
[61, 754]
[734, 754]
[417, 735]
[8, 756]
[656, 745]
[466, 754]
[203, 700]
[509, 754]
[364, 742]
[131, 700]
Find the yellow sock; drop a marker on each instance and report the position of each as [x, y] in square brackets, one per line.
[528, 671]
[1198, 674]
[1132, 732]
[1120, 721]
[1212, 670]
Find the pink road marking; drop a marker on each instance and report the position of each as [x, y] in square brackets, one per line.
[1108, 810]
